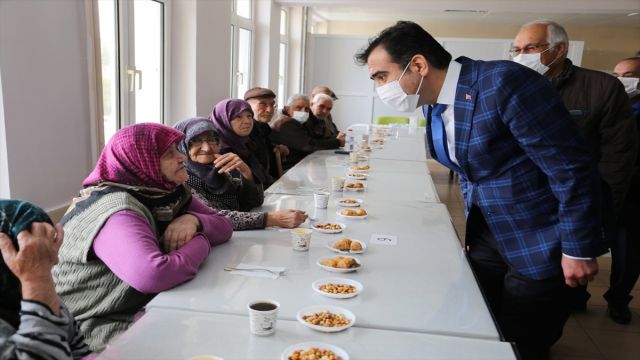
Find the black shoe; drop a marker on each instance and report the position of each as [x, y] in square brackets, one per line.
[619, 313]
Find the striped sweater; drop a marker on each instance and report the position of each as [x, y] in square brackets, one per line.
[42, 335]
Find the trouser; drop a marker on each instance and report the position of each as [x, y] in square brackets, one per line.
[625, 254]
[529, 312]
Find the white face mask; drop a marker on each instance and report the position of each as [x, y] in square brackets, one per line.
[300, 116]
[533, 62]
[393, 95]
[630, 85]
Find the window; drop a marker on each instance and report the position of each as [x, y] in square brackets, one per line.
[284, 53]
[242, 28]
[132, 45]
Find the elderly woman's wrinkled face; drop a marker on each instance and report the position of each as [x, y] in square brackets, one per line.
[172, 166]
[243, 124]
[203, 148]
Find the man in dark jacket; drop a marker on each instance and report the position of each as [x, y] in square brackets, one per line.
[263, 104]
[599, 105]
[289, 129]
[330, 126]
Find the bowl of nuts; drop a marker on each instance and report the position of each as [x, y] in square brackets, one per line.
[326, 318]
[314, 350]
[329, 228]
[337, 288]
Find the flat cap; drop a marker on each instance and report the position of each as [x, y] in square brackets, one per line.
[258, 92]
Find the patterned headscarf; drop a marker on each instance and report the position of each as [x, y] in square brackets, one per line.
[221, 116]
[132, 157]
[15, 216]
[214, 182]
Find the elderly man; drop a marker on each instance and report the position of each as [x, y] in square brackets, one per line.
[628, 72]
[330, 126]
[321, 105]
[263, 104]
[289, 129]
[599, 105]
[525, 173]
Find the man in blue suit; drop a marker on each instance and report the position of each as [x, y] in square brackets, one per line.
[529, 186]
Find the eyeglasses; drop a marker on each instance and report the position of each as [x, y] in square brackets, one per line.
[200, 141]
[529, 49]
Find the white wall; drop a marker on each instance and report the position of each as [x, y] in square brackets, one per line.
[213, 62]
[182, 62]
[266, 45]
[4, 166]
[295, 51]
[45, 90]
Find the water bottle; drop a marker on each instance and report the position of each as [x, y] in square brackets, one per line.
[349, 140]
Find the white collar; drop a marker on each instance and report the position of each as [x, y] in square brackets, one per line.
[447, 94]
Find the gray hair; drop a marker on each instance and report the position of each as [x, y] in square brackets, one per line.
[296, 97]
[555, 32]
[319, 97]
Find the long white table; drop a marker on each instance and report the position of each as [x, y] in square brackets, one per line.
[420, 298]
[177, 335]
[411, 286]
[389, 180]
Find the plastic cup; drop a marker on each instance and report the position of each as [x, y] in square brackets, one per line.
[365, 138]
[353, 157]
[321, 199]
[301, 239]
[337, 182]
[262, 317]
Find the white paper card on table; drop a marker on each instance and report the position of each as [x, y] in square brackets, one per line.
[252, 270]
[381, 239]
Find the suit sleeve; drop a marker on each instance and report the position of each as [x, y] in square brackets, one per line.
[618, 139]
[541, 125]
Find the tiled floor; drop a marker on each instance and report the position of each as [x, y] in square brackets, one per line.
[589, 335]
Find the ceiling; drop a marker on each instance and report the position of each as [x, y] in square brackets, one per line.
[513, 12]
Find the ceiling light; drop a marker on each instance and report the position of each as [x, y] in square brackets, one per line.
[632, 14]
[466, 11]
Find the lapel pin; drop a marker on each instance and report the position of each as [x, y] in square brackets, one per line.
[467, 97]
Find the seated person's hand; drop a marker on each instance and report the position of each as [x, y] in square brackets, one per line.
[229, 162]
[286, 218]
[37, 254]
[283, 149]
[341, 137]
[179, 232]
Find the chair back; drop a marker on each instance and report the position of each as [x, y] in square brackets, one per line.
[278, 162]
[385, 120]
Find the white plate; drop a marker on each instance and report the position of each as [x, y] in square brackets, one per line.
[314, 344]
[354, 168]
[316, 286]
[331, 246]
[339, 270]
[354, 189]
[319, 308]
[360, 176]
[343, 226]
[355, 217]
[340, 202]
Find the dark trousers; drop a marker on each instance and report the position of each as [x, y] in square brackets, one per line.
[529, 312]
[625, 253]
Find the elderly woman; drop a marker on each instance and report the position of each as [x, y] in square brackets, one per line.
[233, 121]
[224, 181]
[134, 231]
[33, 321]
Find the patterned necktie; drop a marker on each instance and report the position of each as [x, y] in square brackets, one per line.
[439, 137]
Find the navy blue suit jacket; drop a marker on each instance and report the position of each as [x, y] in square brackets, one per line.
[524, 164]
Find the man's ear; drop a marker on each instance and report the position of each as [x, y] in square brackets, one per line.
[563, 49]
[286, 110]
[420, 64]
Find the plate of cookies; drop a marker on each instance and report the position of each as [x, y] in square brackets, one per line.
[359, 213]
[354, 186]
[347, 246]
[337, 288]
[340, 264]
[329, 228]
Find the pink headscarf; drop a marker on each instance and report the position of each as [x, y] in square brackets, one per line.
[132, 157]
